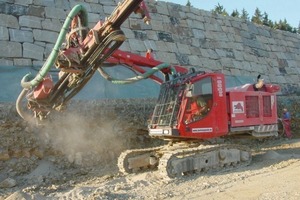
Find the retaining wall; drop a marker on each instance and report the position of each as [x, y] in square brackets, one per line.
[178, 34]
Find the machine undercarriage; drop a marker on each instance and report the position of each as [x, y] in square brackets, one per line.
[184, 158]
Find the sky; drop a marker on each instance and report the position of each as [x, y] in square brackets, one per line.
[276, 9]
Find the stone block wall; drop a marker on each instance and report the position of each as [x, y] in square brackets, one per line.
[178, 34]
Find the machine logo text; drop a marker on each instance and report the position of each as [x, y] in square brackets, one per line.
[220, 87]
[202, 130]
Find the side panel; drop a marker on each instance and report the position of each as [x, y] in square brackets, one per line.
[252, 108]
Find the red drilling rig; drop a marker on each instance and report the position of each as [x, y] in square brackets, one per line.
[192, 108]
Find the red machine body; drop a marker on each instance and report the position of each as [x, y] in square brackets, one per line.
[239, 110]
[44, 88]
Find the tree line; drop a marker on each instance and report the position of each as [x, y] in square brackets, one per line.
[258, 18]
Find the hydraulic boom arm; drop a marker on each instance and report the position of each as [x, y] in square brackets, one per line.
[79, 52]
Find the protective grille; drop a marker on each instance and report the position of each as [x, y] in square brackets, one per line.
[252, 107]
[167, 107]
[267, 106]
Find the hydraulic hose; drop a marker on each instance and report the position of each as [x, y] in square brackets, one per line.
[26, 82]
[133, 79]
[19, 109]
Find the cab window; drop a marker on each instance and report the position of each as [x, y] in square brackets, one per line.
[200, 101]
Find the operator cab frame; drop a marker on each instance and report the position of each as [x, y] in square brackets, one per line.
[208, 90]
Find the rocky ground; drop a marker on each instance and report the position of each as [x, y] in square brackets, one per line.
[49, 163]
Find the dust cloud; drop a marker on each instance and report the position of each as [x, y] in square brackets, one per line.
[85, 140]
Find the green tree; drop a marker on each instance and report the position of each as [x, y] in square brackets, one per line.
[235, 13]
[283, 25]
[245, 14]
[271, 24]
[294, 30]
[188, 3]
[265, 20]
[257, 17]
[220, 10]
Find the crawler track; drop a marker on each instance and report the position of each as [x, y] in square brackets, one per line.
[179, 160]
[137, 160]
[203, 158]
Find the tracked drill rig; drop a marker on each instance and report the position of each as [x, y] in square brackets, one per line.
[193, 107]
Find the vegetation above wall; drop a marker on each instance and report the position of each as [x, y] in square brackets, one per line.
[257, 18]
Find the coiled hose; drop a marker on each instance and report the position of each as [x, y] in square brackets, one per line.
[26, 82]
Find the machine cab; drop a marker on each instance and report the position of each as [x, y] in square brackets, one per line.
[191, 106]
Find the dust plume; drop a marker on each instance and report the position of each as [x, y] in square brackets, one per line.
[86, 140]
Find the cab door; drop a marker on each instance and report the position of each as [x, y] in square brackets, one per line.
[205, 111]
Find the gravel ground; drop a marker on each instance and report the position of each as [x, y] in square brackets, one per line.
[273, 174]
[42, 165]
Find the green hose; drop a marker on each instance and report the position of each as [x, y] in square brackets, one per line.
[136, 78]
[26, 82]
